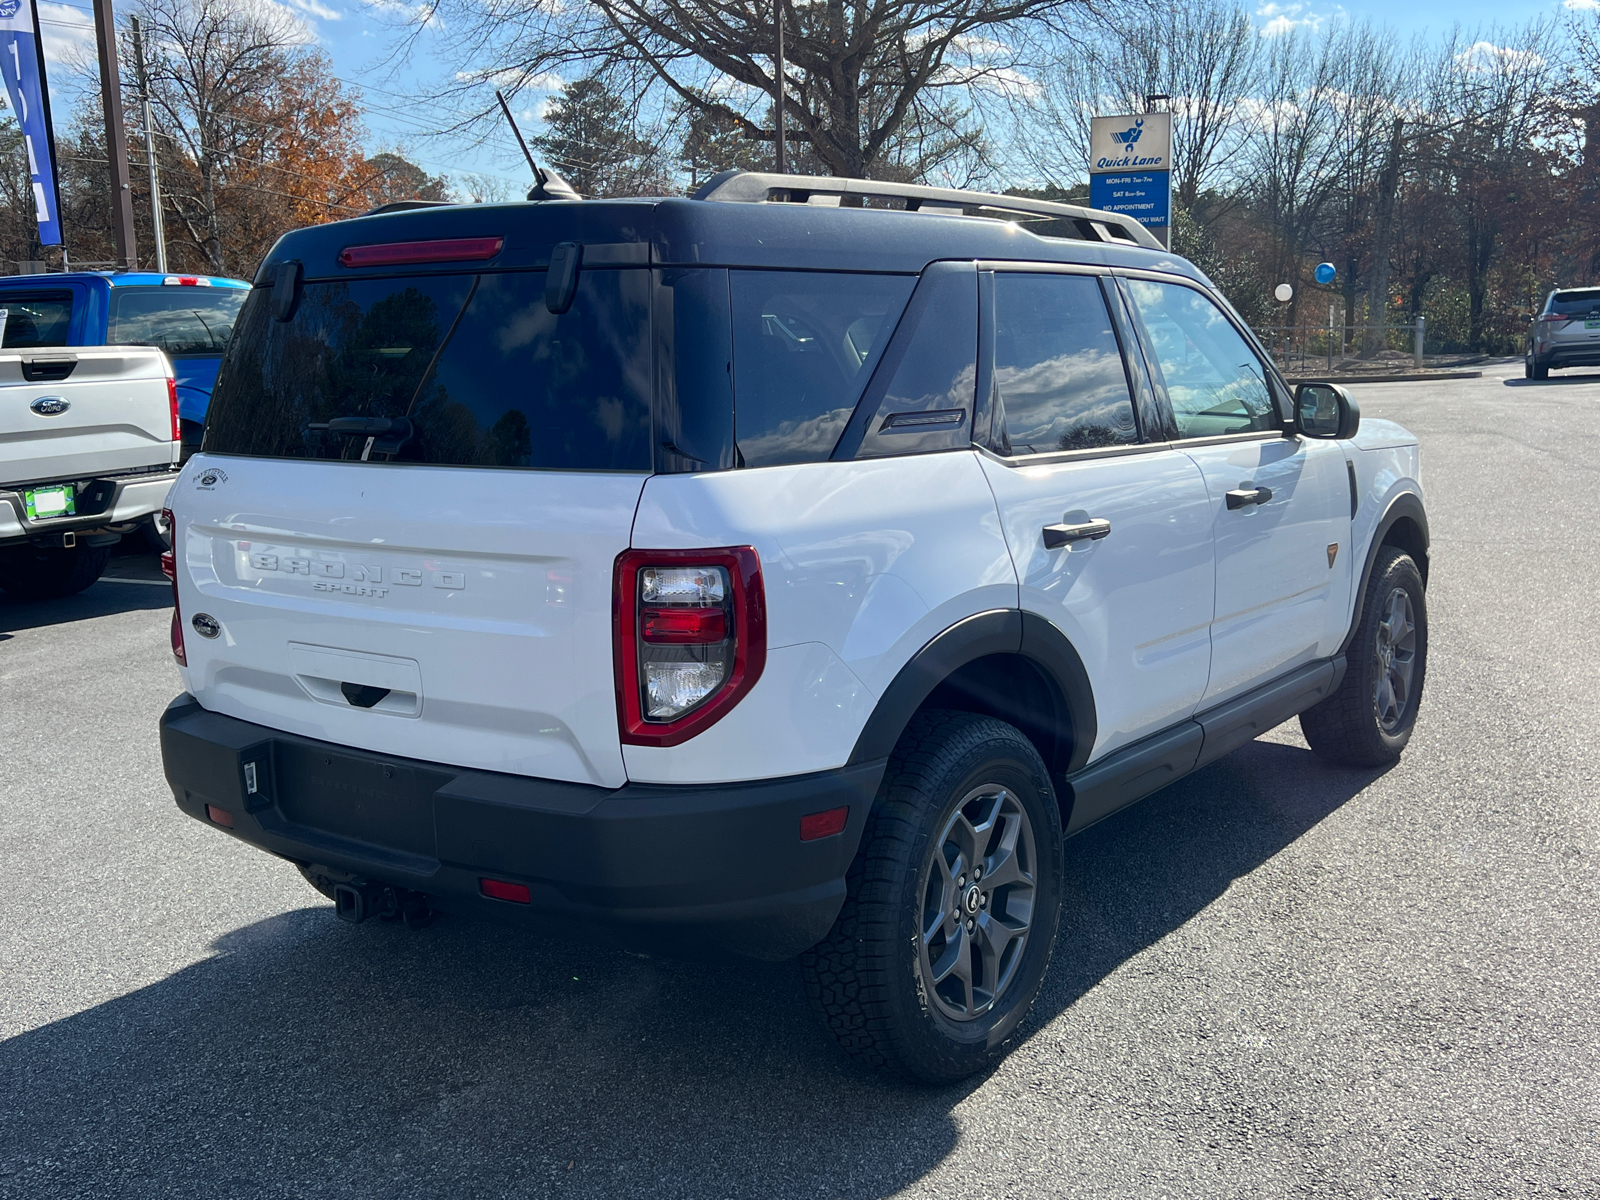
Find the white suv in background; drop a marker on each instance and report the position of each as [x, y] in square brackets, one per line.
[766, 571]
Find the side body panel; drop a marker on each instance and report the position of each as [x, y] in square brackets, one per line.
[863, 563]
[1136, 604]
[1283, 566]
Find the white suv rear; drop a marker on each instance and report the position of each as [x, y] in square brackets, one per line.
[777, 576]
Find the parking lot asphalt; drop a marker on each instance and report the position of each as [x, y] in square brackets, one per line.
[1275, 978]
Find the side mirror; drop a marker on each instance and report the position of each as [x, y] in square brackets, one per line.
[1326, 410]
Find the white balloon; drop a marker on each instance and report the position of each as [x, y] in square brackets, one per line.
[1284, 293]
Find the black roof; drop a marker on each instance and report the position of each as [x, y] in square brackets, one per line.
[684, 232]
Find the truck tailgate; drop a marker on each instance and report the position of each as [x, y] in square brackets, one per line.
[84, 411]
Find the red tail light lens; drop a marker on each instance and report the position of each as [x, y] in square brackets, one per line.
[169, 568]
[691, 639]
[172, 406]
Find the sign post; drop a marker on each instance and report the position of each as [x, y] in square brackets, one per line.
[1130, 169]
[22, 64]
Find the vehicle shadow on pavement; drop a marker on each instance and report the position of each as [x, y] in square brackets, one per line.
[99, 600]
[311, 1058]
[1554, 379]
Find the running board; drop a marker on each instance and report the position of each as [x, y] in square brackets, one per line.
[1148, 766]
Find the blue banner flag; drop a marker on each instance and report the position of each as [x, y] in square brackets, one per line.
[22, 63]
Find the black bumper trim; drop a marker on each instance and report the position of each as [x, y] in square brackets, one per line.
[671, 864]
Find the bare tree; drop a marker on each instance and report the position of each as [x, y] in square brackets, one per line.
[865, 82]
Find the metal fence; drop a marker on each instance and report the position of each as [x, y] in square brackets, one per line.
[1298, 348]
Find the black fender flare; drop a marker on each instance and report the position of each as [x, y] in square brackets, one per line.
[998, 631]
[1405, 506]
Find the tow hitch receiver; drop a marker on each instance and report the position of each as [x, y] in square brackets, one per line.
[356, 901]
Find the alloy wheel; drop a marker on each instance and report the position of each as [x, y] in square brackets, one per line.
[1396, 660]
[978, 895]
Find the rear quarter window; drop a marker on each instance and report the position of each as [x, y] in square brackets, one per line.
[483, 372]
[804, 346]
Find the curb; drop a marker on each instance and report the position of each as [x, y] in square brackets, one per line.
[1416, 377]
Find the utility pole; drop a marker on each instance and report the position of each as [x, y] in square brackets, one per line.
[149, 146]
[105, 31]
[783, 147]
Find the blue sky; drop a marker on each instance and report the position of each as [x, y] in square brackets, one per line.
[360, 35]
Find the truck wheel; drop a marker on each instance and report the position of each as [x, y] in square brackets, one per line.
[952, 905]
[1368, 721]
[40, 573]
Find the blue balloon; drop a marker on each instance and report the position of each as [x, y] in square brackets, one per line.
[1326, 273]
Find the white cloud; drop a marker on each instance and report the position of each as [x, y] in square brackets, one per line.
[1581, 5]
[1486, 56]
[1286, 18]
[317, 9]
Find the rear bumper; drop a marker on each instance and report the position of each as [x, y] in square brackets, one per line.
[110, 500]
[675, 866]
[1584, 354]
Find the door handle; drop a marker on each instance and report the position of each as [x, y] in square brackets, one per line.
[1247, 494]
[1057, 536]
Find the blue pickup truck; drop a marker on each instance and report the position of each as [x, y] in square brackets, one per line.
[191, 317]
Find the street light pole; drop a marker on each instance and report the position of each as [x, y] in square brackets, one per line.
[149, 147]
[105, 31]
[783, 147]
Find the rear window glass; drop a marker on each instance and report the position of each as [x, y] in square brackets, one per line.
[1585, 301]
[183, 321]
[36, 322]
[804, 346]
[482, 373]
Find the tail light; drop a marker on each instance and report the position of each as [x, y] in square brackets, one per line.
[691, 639]
[1555, 318]
[169, 568]
[172, 407]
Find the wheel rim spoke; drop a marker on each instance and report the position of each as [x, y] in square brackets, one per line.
[1395, 660]
[978, 895]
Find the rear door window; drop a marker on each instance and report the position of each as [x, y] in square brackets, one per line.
[33, 321]
[804, 345]
[1059, 381]
[481, 372]
[186, 322]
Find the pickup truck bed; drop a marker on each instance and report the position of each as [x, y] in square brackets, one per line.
[89, 446]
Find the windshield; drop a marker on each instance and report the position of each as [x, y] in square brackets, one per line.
[183, 321]
[1585, 301]
[477, 368]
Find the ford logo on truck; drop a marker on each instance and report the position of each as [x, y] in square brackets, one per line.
[50, 406]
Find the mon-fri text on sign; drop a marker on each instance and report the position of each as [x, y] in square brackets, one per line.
[1130, 166]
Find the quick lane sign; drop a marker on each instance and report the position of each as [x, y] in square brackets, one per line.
[1130, 166]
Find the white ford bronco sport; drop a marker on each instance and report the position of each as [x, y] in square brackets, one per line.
[789, 569]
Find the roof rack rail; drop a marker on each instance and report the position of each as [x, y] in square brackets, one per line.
[1063, 220]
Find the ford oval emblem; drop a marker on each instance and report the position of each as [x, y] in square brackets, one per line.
[206, 625]
[50, 406]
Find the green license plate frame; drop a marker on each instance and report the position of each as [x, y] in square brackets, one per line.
[43, 504]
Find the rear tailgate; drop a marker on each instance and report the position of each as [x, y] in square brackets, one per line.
[454, 616]
[85, 411]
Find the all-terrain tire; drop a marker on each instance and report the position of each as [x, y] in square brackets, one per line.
[1356, 726]
[40, 573]
[869, 978]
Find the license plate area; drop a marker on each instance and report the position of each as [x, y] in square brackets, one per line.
[43, 503]
[372, 800]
